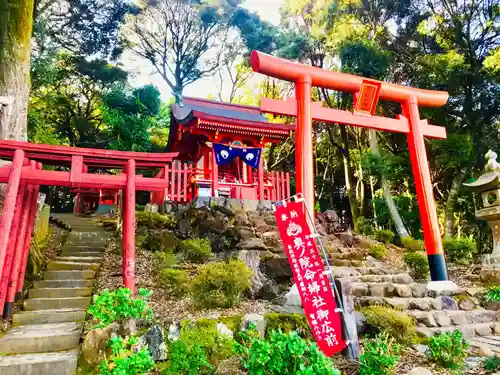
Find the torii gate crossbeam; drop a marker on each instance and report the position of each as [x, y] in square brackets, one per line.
[305, 77]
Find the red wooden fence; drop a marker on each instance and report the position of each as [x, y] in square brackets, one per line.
[180, 189]
[279, 188]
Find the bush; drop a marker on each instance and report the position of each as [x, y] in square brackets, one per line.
[393, 322]
[160, 241]
[221, 284]
[459, 250]
[411, 244]
[418, 263]
[287, 323]
[384, 235]
[126, 359]
[282, 354]
[365, 226]
[493, 294]
[174, 281]
[448, 349]
[197, 251]
[154, 220]
[492, 364]
[378, 251]
[109, 307]
[188, 360]
[380, 356]
[164, 260]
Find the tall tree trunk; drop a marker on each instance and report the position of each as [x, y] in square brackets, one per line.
[393, 210]
[451, 202]
[16, 23]
[349, 178]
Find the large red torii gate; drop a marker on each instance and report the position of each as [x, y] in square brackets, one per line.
[305, 76]
[25, 175]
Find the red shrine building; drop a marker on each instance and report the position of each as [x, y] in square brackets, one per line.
[223, 145]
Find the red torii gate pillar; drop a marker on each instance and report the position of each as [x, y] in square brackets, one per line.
[305, 77]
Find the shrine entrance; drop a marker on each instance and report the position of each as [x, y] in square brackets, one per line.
[366, 94]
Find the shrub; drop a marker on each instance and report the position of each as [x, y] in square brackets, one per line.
[380, 356]
[282, 354]
[174, 281]
[411, 244]
[154, 220]
[493, 294]
[188, 360]
[459, 250]
[393, 322]
[378, 251]
[365, 226]
[109, 307]
[164, 260]
[384, 235]
[126, 359]
[287, 323]
[492, 364]
[448, 349]
[418, 263]
[197, 251]
[221, 284]
[160, 241]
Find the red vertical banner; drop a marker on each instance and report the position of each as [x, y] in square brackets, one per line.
[309, 273]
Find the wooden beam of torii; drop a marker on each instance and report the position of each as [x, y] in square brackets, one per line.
[305, 76]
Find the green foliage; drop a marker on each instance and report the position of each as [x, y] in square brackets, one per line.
[448, 349]
[165, 259]
[492, 364]
[287, 323]
[126, 359]
[160, 240]
[154, 220]
[380, 356]
[395, 323]
[176, 282]
[418, 263]
[459, 250]
[115, 306]
[378, 251]
[384, 235]
[364, 225]
[413, 245]
[198, 250]
[493, 294]
[220, 284]
[187, 360]
[282, 354]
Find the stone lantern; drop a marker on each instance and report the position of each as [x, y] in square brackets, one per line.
[488, 206]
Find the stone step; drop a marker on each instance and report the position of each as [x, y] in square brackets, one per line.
[75, 259]
[493, 342]
[60, 363]
[60, 292]
[83, 249]
[377, 270]
[351, 255]
[83, 254]
[57, 303]
[445, 318]
[56, 266]
[69, 275]
[389, 290]
[49, 316]
[41, 338]
[423, 304]
[84, 236]
[64, 284]
[348, 263]
[402, 278]
[468, 330]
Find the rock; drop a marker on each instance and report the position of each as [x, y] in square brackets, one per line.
[245, 233]
[272, 239]
[331, 216]
[428, 319]
[418, 290]
[154, 340]
[269, 291]
[466, 304]
[256, 220]
[403, 290]
[473, 362]
[457, 318]
[448, 303]
[420, 371]
[484, 351]
[96, 342]
[270, 219]
[320, 229]
[224, 330]
[496, 328]
[360, 321]
[174, 332]
[287, 309]
[443, 319]
[128, 327]
[366, 243]
[251, 258]
[258, 321]
[347, 238]
[494, 306]
[402, 279]
[277, 269]
[241, 219]
[252, 244]
[483, 330]
[183, 227]
[292, 298]
[377, 290]
[420, 348]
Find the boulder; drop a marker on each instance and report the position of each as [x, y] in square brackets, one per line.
[95, 343]
[466, 304]
[420, 371]
[448, 303]
[174, 331]
[258, 321]
[241, 219]
[292, 298]
[277, 269]
[252, 244]
[154, 340]
[256, 219]
[269, 290]
[272, 239]
[245, 233]
[224, 330]
[331, 216]
[183, 227]
[347, 238]
[360, 322]
[485, 351]
[270, 220]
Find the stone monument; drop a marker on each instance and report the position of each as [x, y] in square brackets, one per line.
[488, 208]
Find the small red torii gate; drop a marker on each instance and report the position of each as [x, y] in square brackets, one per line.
[305, 76]
[25, 175]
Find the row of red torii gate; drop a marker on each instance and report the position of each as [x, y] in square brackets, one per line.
[189, 168]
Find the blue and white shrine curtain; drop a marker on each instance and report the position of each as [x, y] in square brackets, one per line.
[225, 154]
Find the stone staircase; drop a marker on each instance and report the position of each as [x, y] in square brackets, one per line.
[377, 283]
[45, 337]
